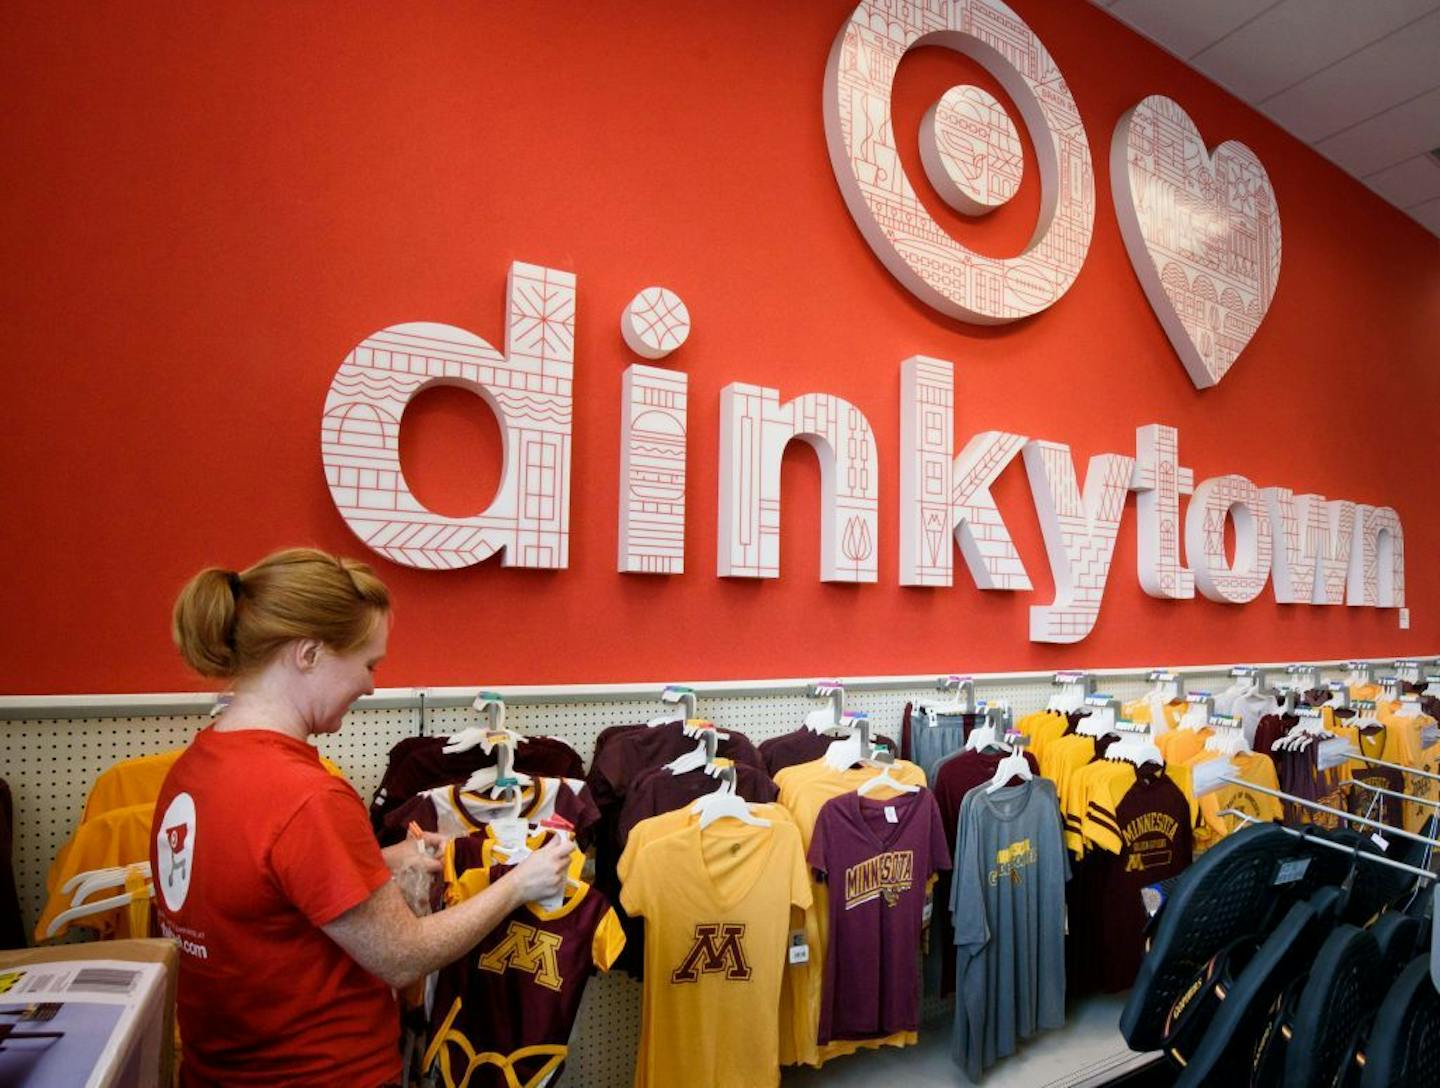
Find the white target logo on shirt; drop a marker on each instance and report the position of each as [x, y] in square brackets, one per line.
[175, 850]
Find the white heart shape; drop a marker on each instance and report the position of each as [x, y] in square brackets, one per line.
[1202, 230]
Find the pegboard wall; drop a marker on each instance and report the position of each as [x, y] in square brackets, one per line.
[50, 765]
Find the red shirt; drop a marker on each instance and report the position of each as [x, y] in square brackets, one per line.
[256, 846]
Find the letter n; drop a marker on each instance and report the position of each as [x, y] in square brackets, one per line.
[754, 431]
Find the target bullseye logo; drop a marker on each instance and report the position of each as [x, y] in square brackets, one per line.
[972, 155]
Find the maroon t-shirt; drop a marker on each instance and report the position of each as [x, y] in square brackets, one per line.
[627, 753]
[1270, 729]
[518, 988]
[801, 746]
[420, 763]
[1153, 822]
[875, 857]
[658, 790]
[960, 774]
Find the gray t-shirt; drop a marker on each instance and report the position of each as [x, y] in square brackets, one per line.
[1008, 906]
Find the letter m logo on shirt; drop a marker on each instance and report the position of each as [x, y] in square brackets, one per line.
[717, 950]
[527, 949]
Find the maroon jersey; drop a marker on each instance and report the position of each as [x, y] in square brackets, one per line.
[1270, 729]
[454, 811]
[876, 858]
[628, 753]
[503, 1011]
[960, 774]
[1152, 821]
[420, 763]
[658, 790]
[801, 746]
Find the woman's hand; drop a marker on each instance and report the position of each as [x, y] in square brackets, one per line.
[542, 874]
[404, 855]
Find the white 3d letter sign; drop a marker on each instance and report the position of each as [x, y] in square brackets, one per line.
[859, 131]
[1159, 482]
[940, 497]
[1377, 559]
[1312, 542]
[653, 442]
[1214, 501]
[529, 390]
[754, 430]
[1079, 533]
[1202, 230]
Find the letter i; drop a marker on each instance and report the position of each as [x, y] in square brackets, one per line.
[653, 442]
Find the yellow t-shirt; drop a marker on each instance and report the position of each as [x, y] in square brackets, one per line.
[1183, 745]
[1089, 782]
[1042, 727]
[717, 909]
[1365, 692]
[1404, 743]
[115, 838]
[1062, 759]
[1247, 767]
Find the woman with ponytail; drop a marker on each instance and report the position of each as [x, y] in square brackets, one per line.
[292, 931]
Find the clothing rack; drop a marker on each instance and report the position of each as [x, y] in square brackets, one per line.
[1423, 874]
[1384, 829]
[1396, 767]
[1426, 801]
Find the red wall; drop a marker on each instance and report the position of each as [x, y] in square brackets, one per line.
[206, 209]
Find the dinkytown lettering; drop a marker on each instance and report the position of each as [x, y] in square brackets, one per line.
[1311, 549]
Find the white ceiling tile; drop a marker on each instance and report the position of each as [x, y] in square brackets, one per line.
[1297, 38]
[1408, 183]
[1396, 135]
[1392, 70]
[1185, 27]
[1427, 214]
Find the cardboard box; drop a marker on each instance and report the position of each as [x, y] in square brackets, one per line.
[115, 1020]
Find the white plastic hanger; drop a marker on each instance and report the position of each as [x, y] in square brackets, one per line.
[725, 802]
[844, 754]
[492, 705]
[886, 762]
[676, 693]
[93, 881]
[1138, 750]
[502, 742]
[703, 754]
[832, 717]
[1227, 741]
[962, 703]
[1015, 765]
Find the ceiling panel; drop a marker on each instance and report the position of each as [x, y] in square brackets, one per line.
[1187, 26]
[1357, 80]
[1428, 214]
[1297, 38]
[1408, 183]
[1394, 69]
[1393, 137]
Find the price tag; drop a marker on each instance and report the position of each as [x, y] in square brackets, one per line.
[890, 815]
[929, 909]
[799, 949]
[1291, 871]
[1380, 841]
